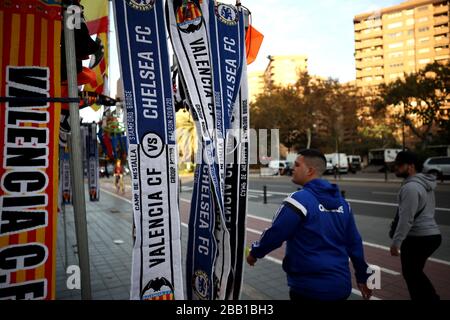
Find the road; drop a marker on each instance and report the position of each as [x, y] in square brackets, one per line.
[359, 194]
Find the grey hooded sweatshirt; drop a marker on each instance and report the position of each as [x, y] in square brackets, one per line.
[416, 192]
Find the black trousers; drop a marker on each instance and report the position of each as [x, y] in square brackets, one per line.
[414, 253]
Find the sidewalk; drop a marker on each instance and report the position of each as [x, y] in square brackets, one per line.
[110, 245]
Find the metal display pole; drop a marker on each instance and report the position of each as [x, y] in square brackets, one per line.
[79, 205]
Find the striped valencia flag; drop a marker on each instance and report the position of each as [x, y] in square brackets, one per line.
[188, 12]
[96, 14]
[30, 62]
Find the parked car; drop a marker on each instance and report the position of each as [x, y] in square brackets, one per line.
[439, 166]
[281, 167]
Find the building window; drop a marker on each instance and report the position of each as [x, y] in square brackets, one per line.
[409, 22]
[395, 34]
[396, 65]
[424, 50]
[424, 61]
[395, 45]
[395, 75]
[411, 63]
[410, 42]
[410, 32]
[424, 40]
[424, 29]
[394, 55]
[422, 19]
[423, 8]
[394, 15]
[409, 12]
[394, 25]
[410, 52]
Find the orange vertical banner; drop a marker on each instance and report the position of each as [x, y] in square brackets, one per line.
[253, 41]
[96, 15]
[30, 58]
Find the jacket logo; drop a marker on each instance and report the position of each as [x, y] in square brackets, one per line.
[338, 210]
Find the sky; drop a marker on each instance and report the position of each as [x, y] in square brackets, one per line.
[320, 29]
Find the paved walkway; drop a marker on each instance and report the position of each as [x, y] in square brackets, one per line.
[110, 243]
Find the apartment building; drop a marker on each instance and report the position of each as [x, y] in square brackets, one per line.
[399, 39]
[280, 71]
[255, 84]
[284, 70]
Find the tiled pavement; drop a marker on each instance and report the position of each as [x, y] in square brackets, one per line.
[110, 220]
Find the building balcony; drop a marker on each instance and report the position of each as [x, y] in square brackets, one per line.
[367, 35]
[441, 30]
[442, 41]
[364, 54]
[369, 43]
[371, 63]
[440, 19]
[440, 8]
[370, 73]
[366, 25]
[441, 51]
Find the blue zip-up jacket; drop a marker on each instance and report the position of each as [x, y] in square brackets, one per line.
[321, 235]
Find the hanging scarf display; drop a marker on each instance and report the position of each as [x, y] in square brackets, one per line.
[150, 123]
[208, 252]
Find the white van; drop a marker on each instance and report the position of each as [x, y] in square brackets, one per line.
[337, 160]
[354, 162]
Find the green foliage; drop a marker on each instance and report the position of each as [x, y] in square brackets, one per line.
[421, 96]
[319, 113]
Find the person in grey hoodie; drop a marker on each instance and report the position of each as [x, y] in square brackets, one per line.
[417, 234]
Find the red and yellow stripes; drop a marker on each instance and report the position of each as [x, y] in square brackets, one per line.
[188, 12]
[30, 36]
[96, 15]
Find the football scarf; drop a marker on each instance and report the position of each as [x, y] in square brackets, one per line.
[208, 252]
[30, 63]
[66, 186]
[92, 161]
[152, 152]
[227, 42]
[236, 185]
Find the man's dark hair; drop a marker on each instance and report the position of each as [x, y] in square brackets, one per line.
[408, 157]
[315, 158]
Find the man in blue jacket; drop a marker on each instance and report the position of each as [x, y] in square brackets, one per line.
[321, 235]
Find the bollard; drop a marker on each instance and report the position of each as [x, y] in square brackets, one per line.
[265, 194]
